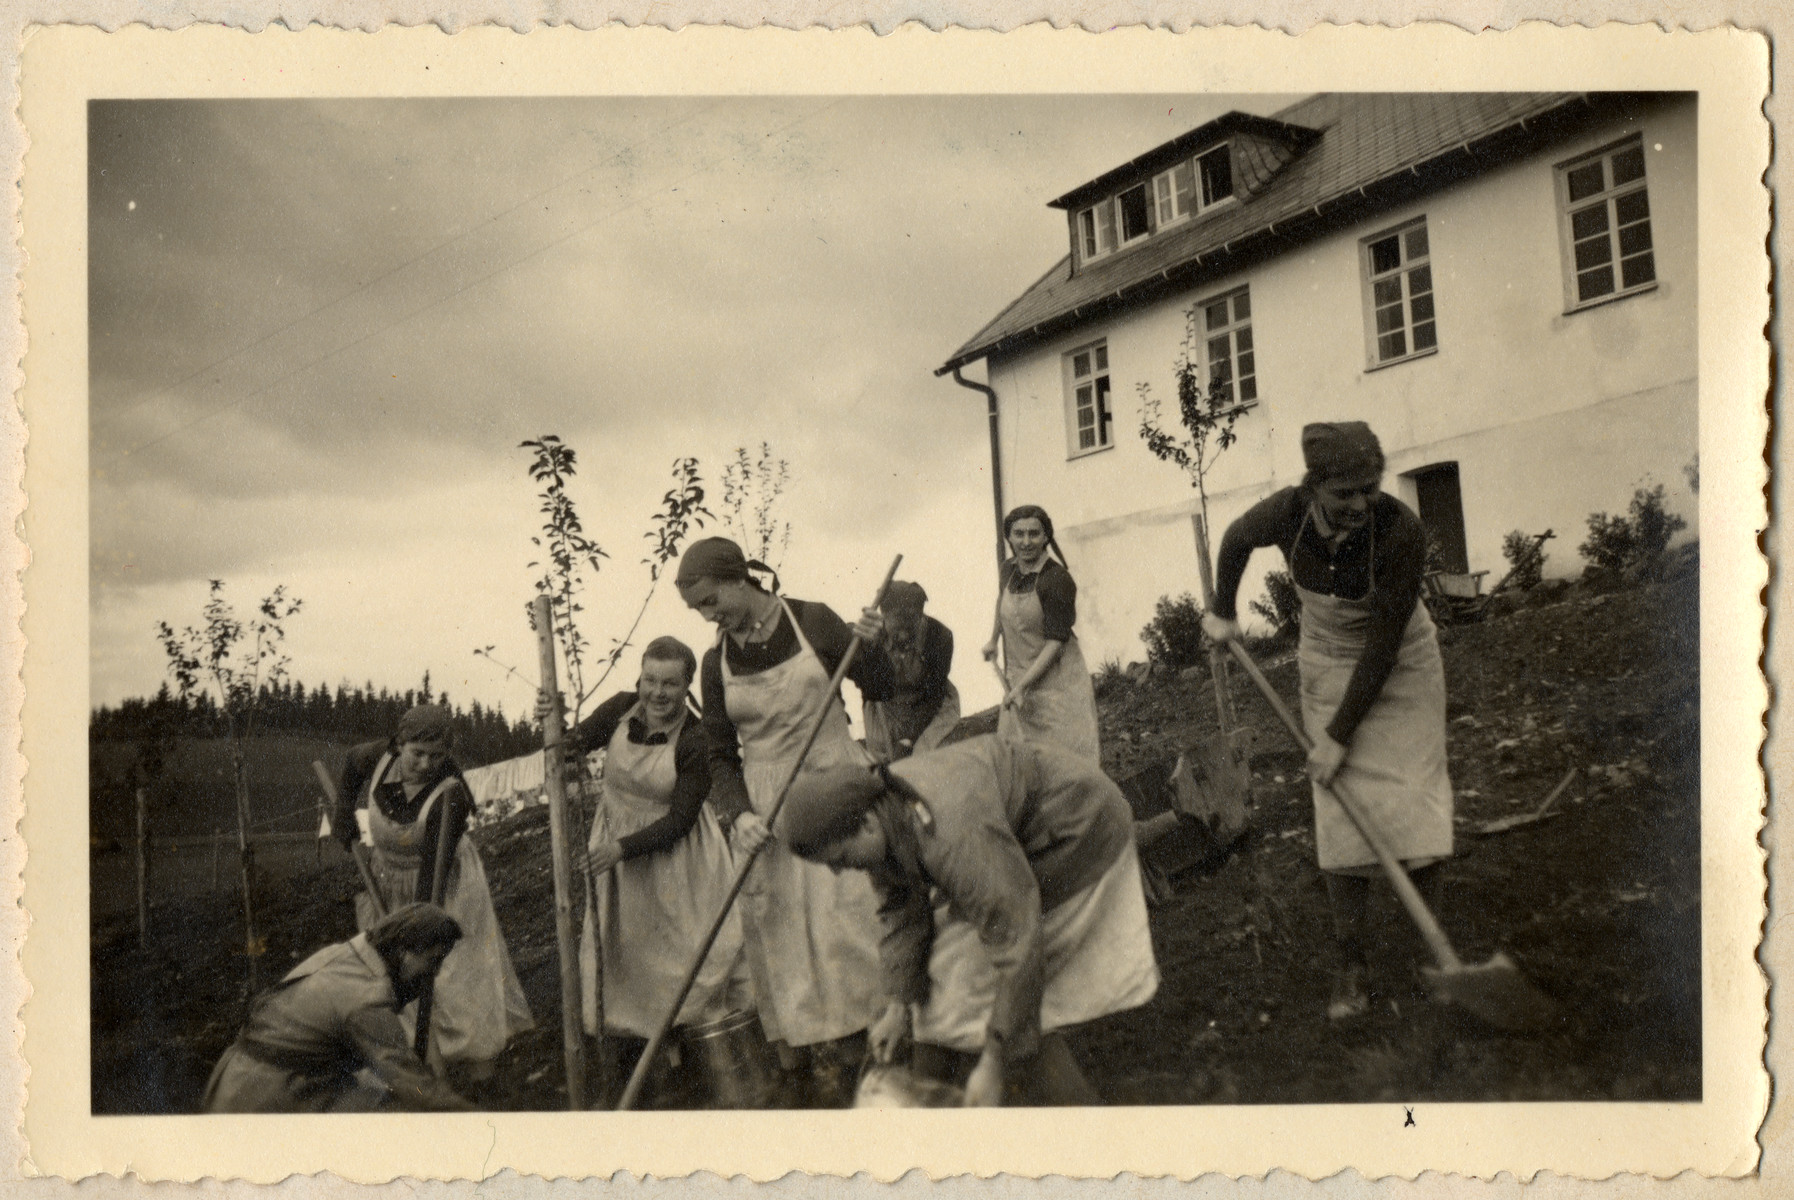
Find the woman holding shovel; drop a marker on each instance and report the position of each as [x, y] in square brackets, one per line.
[925, 708]
[659, 857]
[1373, 683]
[1049, 697]
[411, 787]
[811, 936]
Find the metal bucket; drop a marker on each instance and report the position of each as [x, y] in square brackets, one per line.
[737, 1059]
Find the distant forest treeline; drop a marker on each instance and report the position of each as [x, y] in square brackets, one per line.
[482, 735]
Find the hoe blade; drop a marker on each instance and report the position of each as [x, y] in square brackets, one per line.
[1496, 992]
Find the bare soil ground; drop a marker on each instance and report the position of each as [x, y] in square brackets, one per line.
[1599, 904]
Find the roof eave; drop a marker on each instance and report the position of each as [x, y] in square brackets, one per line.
[1295, 227]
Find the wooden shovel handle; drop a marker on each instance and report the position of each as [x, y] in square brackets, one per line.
[1398, 877]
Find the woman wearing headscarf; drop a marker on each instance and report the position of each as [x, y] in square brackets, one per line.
[328, 1038]
[925, 706]
[1009, 890]
[660, 859]
[410, 785]
[1373, 683]
[1051, 698]
[812, 937]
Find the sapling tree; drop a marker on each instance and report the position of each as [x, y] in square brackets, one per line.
[1208, 406]
[751, 490]
[571, 554]
[681, 510]
[238, 659]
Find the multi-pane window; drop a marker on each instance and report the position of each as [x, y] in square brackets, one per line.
[1174, 192]
[1608, 224]
[1130, 206]
[1398, 276]
[1096, 229]
[1227, 346]
[1183, 190]
[1216, 169]
[1087, 381]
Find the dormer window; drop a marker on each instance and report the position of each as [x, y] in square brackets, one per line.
[1181, 191]
[1216, 169]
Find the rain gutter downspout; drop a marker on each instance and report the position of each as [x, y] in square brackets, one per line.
[996, 462]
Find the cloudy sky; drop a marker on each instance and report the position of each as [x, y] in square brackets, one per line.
[319, 330]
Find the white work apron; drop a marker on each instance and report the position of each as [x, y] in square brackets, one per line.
[478, 1001]
[812, 935]
[1395, 767]
[1060, 708]
[654, 910]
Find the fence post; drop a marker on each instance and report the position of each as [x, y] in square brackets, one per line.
[143, 934]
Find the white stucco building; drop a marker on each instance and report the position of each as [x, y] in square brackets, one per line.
[1502, 285]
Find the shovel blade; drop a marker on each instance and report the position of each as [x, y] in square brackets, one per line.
[1496, 992]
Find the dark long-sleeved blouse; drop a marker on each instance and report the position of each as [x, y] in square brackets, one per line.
[1345, 571]
[691, 761]
[829, 636]
[390, 795]
[1057, 590]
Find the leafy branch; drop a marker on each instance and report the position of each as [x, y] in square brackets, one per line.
[751, 489]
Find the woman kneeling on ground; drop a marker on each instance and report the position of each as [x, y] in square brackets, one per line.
[1373, 684]
[327, 1038]
[1042, 925]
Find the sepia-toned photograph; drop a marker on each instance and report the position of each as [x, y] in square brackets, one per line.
[749, 603]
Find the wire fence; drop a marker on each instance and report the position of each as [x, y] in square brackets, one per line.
[189, 865]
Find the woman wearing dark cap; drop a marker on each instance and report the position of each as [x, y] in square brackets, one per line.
[1373, 684]
[661, 861]
[408, 786]
[1009, 889]
[925, 706]
[1051, 698]
[812, 937]
[312, 1037]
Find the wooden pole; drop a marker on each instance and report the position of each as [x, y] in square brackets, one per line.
[252, 946]
[1217, 657]
[143, 934]
[217, 848]
[636, 1078]
[572, 1036]
[426, 996]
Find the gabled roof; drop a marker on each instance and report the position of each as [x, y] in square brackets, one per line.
[1353, 153]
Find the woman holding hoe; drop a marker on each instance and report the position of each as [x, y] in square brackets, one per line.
[1373, 684]
[1050, 697]
[812, 936]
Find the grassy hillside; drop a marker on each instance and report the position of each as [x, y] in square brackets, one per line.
[195, 793]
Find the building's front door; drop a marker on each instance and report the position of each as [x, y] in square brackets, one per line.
[1441, 507]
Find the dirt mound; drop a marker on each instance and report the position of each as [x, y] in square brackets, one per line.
[1599, 903]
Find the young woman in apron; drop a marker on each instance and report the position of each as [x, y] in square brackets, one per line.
[1373, 683]
[811, 935]
[478, 1002]
[660, 860]
[1011, 900]
[925, 708]
[1051, 698]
